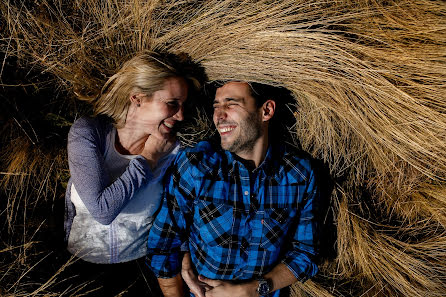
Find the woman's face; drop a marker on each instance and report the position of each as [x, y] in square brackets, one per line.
[157, 114]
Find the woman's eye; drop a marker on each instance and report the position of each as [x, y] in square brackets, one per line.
[172, 103]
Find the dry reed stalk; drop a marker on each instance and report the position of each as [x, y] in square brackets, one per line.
[33, 175]
[25, 287]
[309, 288]
[410, 260]
[369, 80]
[196, 130]
[53, 279]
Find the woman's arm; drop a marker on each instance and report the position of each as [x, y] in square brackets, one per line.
[103, 198]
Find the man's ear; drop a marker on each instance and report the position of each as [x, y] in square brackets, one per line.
[268, 109]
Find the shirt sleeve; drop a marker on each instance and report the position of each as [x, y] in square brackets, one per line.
[168, 234]
[103, 197]
[300, 258]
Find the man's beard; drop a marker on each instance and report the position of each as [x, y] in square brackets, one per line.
[250, 130]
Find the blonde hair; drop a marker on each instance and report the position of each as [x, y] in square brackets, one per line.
[144, 73]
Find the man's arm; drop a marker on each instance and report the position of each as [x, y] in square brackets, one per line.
[280, 277]
[164, 251]
[172, 287]
[190, 278]
[168, 231]
[300, 256]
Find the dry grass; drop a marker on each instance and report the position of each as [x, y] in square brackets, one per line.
[31, 176]
[369, 79]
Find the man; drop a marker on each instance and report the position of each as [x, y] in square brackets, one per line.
[245, 211]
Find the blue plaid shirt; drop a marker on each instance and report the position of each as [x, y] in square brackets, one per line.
[236, 223]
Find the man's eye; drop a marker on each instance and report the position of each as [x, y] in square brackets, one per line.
[226, 105]
[172, 103]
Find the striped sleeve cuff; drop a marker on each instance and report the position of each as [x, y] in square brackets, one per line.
[300, 265]
[164, 266]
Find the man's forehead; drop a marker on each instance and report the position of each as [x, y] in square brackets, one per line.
[237, 89]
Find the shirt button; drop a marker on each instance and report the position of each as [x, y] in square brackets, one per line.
[246, 193]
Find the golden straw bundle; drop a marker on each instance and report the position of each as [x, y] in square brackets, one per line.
[369, 81]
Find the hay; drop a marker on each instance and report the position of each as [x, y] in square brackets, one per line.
[29, 177]
[369, 80]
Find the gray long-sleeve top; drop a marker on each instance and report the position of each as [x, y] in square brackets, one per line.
[111, 198]
[103, 197]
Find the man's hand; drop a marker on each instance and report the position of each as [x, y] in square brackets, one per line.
[195, 286]
[220, 288]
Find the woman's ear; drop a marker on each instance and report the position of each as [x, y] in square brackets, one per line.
[268, 109]
[135, 98]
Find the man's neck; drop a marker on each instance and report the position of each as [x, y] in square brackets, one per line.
[257, 154]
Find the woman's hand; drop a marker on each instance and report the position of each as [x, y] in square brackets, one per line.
[195, 286]
[155, 148]
[218, 288]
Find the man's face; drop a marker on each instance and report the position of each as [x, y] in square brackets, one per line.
[236, 117]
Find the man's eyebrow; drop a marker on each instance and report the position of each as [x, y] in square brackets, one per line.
[228, 99]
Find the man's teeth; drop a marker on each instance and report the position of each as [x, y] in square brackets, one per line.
[169, 125]
[226, 129]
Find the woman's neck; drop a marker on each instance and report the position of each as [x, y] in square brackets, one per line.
[129, 141]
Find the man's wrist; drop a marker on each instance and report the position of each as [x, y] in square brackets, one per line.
[251, 287]
[264, 286]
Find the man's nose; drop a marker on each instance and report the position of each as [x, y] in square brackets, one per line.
[219, 113]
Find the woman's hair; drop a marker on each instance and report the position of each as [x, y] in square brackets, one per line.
[145, 73]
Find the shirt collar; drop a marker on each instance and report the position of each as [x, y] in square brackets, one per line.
[266, 165]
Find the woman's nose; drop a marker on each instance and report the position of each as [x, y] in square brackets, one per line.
[179, 115]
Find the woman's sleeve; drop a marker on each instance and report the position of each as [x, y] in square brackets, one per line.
[103, 198]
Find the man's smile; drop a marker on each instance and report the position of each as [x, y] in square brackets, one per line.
[223, 130]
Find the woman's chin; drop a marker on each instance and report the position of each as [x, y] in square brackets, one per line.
[163, 135]
[168, 136]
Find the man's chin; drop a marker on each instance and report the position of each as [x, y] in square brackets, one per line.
[224, 146]
[227, 146]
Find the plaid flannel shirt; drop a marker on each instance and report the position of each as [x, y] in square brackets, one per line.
[236, 224]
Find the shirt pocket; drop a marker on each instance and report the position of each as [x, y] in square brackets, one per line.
[214, 223]
[275, 225]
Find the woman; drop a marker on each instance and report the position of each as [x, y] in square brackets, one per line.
[117, 159]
